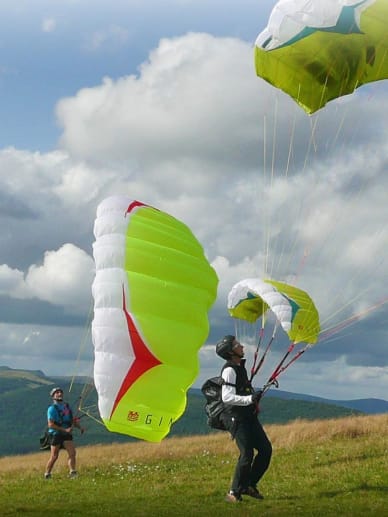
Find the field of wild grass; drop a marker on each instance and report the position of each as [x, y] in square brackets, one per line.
[330, 467]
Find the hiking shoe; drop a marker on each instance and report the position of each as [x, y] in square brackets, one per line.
[47, 475]
[233, 497]
[252, 492]
[73, 474]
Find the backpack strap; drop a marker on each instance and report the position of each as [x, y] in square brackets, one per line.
[59, 415]
[229, 364]
[70, 412]
[237, 386]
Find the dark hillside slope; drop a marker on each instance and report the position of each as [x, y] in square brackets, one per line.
[23, 414]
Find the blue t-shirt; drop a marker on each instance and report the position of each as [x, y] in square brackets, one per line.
[61, 414]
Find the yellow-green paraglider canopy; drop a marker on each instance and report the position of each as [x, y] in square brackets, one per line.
[318, 62]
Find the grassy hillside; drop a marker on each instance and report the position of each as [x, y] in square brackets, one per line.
[11, 380]
[331, 467]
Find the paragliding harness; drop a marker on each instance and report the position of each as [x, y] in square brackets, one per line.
[44, 440]
[214, 407]
[212, 389]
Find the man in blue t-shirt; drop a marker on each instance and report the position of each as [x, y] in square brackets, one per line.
[60, 423]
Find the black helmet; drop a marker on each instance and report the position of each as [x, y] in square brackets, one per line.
[54, 390]
[224, 348]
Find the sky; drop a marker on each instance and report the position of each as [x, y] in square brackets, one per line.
[160, 101]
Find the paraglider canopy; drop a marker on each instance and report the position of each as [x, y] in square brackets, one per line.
[152, 292]
[318, 50]
[294, 309]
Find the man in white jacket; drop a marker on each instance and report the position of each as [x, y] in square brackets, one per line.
[240, 419]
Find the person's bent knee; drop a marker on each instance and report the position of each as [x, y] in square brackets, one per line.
[246, 458]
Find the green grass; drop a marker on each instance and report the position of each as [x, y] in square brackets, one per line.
[341, 473]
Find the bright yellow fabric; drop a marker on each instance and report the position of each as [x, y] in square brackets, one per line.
[325, 65]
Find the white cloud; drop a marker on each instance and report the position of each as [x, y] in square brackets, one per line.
[11, 280]
[198, 156]
[48, 199]
[110, 37]
[166, 115]
[338, 380]
[64, 278]
[49, 25]
[198, 135]
[80, 182]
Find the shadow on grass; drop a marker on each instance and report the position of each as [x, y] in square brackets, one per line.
[362, 487]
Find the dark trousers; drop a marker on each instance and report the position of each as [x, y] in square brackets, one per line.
[250, 468]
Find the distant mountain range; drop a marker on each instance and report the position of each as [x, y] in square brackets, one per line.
[12, 377]
[369, 406]
[24, 398]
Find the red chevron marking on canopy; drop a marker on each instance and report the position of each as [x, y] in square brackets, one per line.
[144, 359]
